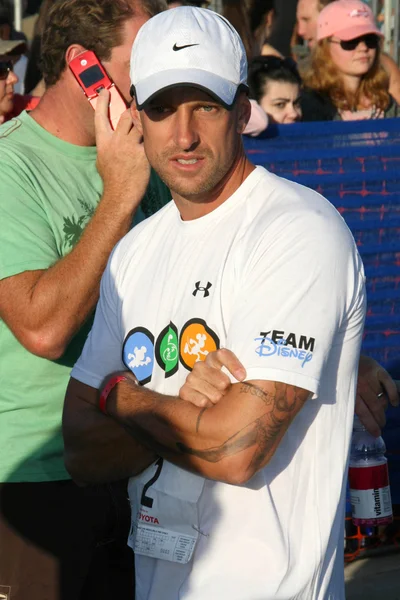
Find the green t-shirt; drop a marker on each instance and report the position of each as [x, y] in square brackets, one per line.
[49, 190]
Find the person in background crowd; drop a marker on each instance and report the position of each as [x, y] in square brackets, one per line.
[276, 85]
[283, 26]
[58, 540]
[228, 482]
[307, 18]
[33, 76]
[250, 18]
[345, 80]
[253, 20]
[237, 13]
[261, 15]
[12, 104]
[8, 33]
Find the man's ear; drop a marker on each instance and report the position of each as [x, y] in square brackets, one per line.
[244, 111]
[72, 52]
[135, 114]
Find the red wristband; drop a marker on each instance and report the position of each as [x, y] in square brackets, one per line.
[110, 385]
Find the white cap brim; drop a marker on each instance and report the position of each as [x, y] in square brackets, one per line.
[216, 86]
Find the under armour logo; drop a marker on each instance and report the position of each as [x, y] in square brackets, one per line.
[200, 288]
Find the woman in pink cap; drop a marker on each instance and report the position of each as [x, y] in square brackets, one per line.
[344, 80]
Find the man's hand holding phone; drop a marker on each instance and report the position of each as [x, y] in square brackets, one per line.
[92, 78]
[121, 160]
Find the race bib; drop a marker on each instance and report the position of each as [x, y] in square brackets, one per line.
[164, 504]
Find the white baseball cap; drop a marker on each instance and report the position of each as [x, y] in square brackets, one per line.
[188, 46]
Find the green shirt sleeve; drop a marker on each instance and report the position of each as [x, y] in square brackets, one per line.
[26, 238]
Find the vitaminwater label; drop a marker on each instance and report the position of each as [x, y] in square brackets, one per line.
[370, 495]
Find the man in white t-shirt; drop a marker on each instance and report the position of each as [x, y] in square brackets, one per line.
[242, 500]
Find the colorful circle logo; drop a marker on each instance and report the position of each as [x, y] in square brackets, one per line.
[167, 353]
[196, 342]
[138, 353]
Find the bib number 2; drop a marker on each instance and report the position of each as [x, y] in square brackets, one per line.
[147, 500]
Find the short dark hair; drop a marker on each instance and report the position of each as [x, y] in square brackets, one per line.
[263, 69]
[95, 24]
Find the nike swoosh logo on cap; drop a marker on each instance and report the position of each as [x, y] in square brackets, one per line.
[176, 48]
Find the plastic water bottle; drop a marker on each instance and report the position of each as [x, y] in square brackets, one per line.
[369, 479]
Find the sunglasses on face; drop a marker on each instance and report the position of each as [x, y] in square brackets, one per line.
[371, 40]
[5, 68]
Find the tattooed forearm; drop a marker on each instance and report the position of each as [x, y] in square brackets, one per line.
[264, 433]
[256, 434]
[239, 441]
[267, 440]
[201, 413]
[286, 398]
[253, 390]
[248, 431]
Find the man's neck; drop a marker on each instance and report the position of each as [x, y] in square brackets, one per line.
[65, 116]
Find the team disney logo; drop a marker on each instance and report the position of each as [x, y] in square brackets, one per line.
[286, 346]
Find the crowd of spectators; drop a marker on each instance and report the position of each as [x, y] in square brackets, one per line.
[344, 74]
[341, 73]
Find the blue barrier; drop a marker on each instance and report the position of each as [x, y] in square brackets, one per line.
[356, 165]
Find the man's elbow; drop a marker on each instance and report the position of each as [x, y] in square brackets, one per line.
[237, 470]
[76, 468]
[45, 344]
[239, 477]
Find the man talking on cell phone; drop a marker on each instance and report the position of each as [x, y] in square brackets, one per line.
[59, 225]
[243, 499]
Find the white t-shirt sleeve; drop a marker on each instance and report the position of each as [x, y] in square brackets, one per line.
[298, 289]
[101, 354]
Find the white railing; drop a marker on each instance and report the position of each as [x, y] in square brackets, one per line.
[391, 28]
[18, 15]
